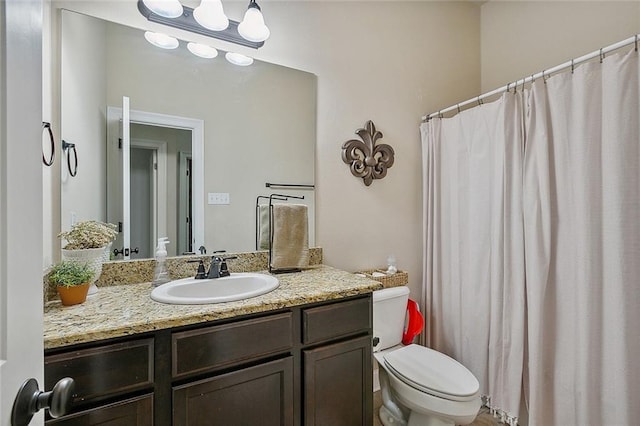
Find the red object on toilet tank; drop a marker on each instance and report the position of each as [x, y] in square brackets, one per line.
[414, 324]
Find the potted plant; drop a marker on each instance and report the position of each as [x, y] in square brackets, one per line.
[89, 242]
[72, 280]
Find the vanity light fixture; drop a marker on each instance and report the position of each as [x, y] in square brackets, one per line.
[252, 26]
[238, 59]
[166, 8]
[189, 22]
[161, 40]
[202, 50]
[211, 15]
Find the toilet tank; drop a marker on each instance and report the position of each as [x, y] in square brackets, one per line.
[389, 310]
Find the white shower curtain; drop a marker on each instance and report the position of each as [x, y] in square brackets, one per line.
[582, 233]
[474, 249]
[562, 216]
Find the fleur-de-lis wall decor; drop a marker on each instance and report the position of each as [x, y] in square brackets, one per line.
[366, 159]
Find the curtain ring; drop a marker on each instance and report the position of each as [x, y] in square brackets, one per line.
[68, 147]
[636, 42]
[544, 77]
[440, 116]
[572, 67]
[49, 163]
[458, 106]
[480, 102]
[601, 55]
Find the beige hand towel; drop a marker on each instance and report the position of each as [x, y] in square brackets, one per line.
[290, 247]
[263, 227]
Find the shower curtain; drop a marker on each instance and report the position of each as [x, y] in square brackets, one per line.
[579, 212]
[582, 234]
[474, 263]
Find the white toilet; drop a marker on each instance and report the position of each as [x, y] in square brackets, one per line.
[419, 386]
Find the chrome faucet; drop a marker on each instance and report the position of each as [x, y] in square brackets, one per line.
[219, 268]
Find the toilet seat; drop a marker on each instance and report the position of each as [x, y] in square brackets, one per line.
[432, 372]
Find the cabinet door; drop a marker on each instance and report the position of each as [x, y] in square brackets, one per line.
[260, 395]
[132, 412]
[338, 388]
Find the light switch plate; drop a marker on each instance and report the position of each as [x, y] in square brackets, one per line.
[218, 198]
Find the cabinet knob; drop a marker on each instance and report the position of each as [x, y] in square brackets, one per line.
[31, 399]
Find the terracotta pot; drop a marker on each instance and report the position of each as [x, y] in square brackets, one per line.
[73, 295]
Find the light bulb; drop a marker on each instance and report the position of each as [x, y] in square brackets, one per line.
[161, 40]
[238, 59]
[202, 50]
[166, 8]
[211, 15]
[252, 26]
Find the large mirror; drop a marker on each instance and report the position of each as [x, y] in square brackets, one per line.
[258, 126]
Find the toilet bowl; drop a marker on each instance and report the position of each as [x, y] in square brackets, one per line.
[419, 386]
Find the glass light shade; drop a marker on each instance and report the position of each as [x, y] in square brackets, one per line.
[161, 40]
[238, 59]
[252, 26]
[202, 50]
[166, 8]
[211, 16]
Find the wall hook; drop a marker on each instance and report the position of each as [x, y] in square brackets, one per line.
[49, 163]
[67, 148]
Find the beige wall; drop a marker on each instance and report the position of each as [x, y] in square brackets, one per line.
[84, 118]
[392, 62]
[389, 62]
[523, 38]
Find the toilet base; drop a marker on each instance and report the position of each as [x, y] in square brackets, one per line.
[418, 419]
[388, 419]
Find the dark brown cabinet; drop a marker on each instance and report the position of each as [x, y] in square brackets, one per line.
[259, 395]
[336, 378]
[304, 365]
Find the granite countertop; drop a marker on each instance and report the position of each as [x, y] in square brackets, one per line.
[124, 310]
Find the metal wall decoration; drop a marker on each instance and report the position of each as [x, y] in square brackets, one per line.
[366, 159]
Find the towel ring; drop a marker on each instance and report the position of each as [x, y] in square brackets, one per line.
[68, 147]
[49, 163]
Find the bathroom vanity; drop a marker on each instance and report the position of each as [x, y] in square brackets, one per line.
[300, 355]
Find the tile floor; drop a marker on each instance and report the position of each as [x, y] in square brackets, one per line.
[483, 419]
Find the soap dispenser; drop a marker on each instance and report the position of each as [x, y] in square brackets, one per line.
[160, 275]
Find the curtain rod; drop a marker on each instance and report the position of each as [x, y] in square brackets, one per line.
[544, 74]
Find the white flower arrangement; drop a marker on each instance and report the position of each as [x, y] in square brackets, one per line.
[89, 234]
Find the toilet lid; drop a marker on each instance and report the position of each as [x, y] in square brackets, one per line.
[432, 372]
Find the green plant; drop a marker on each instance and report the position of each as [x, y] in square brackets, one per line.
[69, 274]
[89, 234]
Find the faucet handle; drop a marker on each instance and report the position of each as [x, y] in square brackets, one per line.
[201, 274]
[224, 269]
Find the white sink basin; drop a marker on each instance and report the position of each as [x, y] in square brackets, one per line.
[189, 291]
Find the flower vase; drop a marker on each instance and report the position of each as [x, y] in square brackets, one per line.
[94, 257]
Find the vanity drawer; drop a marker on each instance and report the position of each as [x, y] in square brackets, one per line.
[220, 346]
[135, 411]
[336, 320]
[104, 371]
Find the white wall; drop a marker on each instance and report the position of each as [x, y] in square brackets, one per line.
[523, 38]
[389, 62]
